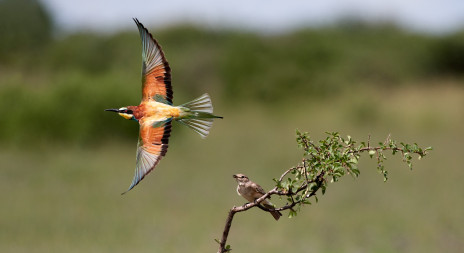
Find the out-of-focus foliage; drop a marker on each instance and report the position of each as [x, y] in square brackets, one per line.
[25, 28]
[64, 83]
[447, 55]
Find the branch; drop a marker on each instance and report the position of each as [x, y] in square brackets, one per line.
[320, 179]
[330, 158]
[222, 244]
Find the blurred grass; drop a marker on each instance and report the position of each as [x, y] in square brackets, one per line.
[64, 161]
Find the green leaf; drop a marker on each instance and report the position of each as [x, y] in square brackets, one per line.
[355, 172]
[291, 213]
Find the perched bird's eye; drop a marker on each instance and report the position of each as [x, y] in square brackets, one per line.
[242, 176]
[129, 112]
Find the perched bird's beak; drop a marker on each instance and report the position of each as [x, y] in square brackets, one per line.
[112, 110]
[234, 176]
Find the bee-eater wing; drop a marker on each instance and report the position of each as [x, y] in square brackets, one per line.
[152, 146]
[156, 73]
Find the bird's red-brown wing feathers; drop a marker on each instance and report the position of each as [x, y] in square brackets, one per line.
[156, 83]
[152, 146]
[156, 73]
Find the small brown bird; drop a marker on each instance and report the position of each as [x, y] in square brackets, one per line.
[252, 191]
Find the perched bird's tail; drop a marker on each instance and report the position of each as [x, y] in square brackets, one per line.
[198, 115]
[275, 214]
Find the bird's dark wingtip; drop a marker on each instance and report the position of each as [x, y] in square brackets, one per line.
[134, 183]
[130, 188]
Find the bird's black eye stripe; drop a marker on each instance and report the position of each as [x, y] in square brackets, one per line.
[127, 111]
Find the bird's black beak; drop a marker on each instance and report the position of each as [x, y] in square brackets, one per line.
[235, 176]
[112, 110]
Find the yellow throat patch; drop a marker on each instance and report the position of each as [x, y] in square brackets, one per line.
[125, 115]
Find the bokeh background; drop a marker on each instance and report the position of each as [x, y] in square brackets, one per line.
[357, 67]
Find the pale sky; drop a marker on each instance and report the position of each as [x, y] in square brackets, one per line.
[432, 16]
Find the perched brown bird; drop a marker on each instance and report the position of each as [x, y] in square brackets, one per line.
[252, 191]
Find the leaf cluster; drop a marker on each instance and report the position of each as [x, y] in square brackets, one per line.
[332, 158]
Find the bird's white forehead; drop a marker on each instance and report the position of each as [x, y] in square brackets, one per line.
[123, 108]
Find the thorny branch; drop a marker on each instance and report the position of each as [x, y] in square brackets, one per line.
[330, 158]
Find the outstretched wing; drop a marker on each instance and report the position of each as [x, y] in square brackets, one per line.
[152, 146]
[156, 73]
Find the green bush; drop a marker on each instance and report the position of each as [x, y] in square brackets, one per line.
[65, 83]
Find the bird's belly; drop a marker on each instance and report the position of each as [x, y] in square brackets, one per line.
[247, 193]
[159, 111]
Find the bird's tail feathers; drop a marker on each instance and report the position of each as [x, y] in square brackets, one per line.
[275, 214]
[198, 115]
[201, 126]
[201, 104]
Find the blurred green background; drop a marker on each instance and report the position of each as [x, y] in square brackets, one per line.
[64, 161]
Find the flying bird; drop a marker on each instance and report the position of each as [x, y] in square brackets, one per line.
[252, 191]
[156, 112]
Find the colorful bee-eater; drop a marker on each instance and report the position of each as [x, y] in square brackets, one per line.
[156, 112]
